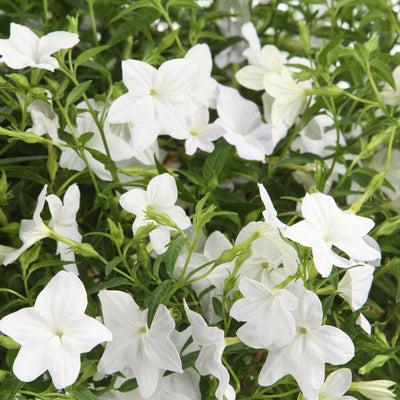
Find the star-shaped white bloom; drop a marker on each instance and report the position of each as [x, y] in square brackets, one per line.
[211, 342]
[25, 49]
[312, 346]
[270, 215]
[156, 99]
[261, 305]
[31, 230]
[63, 222]
[336, 385]
[136, 350]
[242, 124]
[160, 197]
[54, 332]
[326, 225]
[201, 134]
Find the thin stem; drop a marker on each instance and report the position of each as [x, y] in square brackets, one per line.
[45, 11]
[93, 21]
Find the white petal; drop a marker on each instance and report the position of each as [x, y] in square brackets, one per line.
[31, 362]
[336, 384]
[162, 191]
[55, 41]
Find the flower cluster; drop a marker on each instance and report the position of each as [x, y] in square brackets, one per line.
[192, 237]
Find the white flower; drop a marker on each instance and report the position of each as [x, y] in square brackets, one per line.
[119, 148]
[160, 197]
[25, 49]
[336, 385]
[290, 97]
[260, 306]
[63, 222]
[54, 332]
[211, 342]
[44, 119]
[313, 345]
[155, 101]
[326, 225]
[31, 230]
[201, 134]
[136, 350]
[242, 125]
[268, 252]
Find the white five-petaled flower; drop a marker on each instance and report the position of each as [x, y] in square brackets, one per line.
[63, 222]
[155, 101]
[25, 49]
[260, 306]
[54, 332]
[136, 350]
[326, 225]
[31, 230]
[201, 134]
[160, 197]
[312, 346]
[243, 127]
[211, 342]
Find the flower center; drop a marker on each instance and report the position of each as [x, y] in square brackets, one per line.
[153, 92]
[303, 331]
[194, 133]
[59, 333]
[143, 329]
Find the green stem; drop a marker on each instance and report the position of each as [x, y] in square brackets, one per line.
[93, 21]
[80, 150]
[45, 11]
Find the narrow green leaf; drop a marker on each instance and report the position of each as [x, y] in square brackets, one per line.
[83, 393]
[85, 137]
[88, 54]
[215, 162]
[398, 283]
[132, 7]
[113, 263]
[155, 299]
[128, 385]
[77, 92]
[172, 253]
[108, 284]
[183, 4]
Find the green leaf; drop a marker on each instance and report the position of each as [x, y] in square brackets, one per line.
[215, 162]
[383, 71]
[183, 4]
[77, 92]
[398, 283]
[98, 67]
[132, 7]
[83, 393]
[128, 385]
[30, 255]
[85, 137]
[329, 51]
[108, 284]
[172, 253]
[217, 306]
[108, 163]
[113, 263]
[362, 53]
[88, 54]
[157, 296]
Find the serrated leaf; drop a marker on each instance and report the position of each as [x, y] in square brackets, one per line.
[113, 263]
[172, 253]
[77, 92]
[88, 54]
[155, 299]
